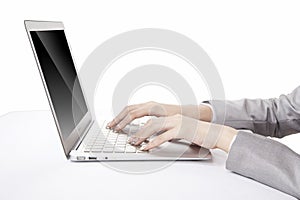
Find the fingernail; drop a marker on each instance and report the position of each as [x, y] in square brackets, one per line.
[144, 148]
[133, 140]
[132, 143]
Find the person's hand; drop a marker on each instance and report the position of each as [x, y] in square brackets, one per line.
[198, 132]
[129, 113]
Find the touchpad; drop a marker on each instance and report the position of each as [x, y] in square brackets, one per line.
[181, 148]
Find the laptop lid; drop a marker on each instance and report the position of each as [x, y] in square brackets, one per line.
[61, 83]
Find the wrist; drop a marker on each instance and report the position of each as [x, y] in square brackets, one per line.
[226, 138]
[172, 109]
[201, 112]
[206, 113]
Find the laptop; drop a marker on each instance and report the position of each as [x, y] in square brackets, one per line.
[83, 138]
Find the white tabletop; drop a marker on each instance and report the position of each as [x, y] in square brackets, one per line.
[33, 166]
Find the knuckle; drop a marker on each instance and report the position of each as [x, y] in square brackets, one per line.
[116, 120]
[149, 122]
[168, 136]
[130, 116]
[125, 109]
[151, 103]
[177, 115]
[164, 137]
[133, 114]
[160, 138]
[129, 108]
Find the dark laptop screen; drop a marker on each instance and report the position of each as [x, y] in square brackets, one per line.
[61, 78]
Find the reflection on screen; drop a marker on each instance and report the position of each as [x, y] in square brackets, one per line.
[61, 79]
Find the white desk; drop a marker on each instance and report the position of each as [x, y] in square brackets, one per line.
[33, 166]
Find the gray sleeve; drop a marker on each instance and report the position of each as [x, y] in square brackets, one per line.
[276, 117]
[266, 161]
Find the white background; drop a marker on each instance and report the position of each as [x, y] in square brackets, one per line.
[254, 44]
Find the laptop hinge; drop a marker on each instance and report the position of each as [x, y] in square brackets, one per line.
[77, 144]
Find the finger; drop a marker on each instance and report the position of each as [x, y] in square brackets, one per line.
[120, 116]
[146, 131]
[168, 135]
[132, 115]
[152, 127]
[175, 139]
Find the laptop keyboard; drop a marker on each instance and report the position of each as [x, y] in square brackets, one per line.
[107, 141]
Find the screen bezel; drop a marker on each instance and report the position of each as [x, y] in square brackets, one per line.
[78, 133]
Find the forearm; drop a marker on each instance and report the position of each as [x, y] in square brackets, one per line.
[203, 112]
[266, 161]
[276, 117]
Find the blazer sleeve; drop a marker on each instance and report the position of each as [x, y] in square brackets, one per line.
[266, 161]
[275, 117]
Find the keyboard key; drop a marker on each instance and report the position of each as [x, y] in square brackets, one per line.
[120, 145]
[105, 131]
[108, 145]
[111, 139]
[101, 138]
[87, 145]
[122, 136]
[108, 150]
[87, 142]
[130, 149]
[99, 143]
[96, 151]
[119, 150]
[122, 140]
[97, 146]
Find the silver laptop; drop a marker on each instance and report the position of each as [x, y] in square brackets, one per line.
[83, 138]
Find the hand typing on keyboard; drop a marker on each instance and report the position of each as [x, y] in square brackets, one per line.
[191, 122]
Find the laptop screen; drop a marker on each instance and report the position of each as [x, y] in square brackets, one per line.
[61, 78]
